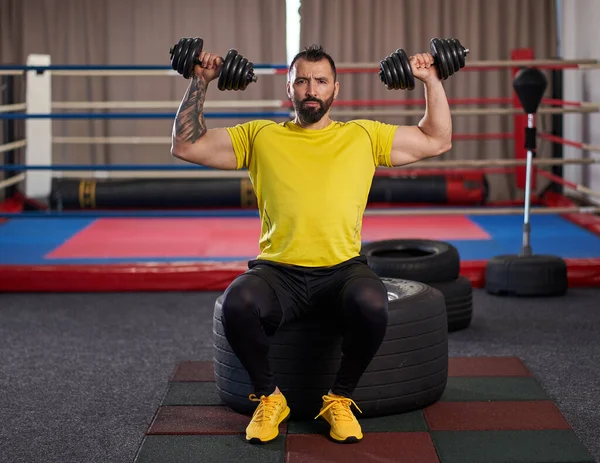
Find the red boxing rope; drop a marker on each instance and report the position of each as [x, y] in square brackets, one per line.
[555, 139]
[451, 101]
[483, 136]
[557, 179]
[373, 70]
[450, 171]
[555, 102]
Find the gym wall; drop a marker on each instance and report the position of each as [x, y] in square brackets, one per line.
[580, 20]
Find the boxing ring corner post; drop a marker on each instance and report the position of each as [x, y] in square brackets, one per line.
[38, 131]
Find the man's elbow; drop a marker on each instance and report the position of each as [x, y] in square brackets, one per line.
[437, 144]
[439, 148]
[445, 147]
[180, 152]
[175, 149]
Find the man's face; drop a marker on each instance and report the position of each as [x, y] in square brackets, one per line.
[312, 89]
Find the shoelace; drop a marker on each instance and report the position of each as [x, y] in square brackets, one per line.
[341, 407]
[266, 408]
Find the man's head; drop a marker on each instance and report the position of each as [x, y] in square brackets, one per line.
[312, 83]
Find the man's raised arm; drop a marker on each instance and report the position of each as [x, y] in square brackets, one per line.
[433, 135]
[191, 141]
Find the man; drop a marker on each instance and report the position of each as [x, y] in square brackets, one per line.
[311, 177]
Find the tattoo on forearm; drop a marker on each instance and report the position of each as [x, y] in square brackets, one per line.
[189, 121]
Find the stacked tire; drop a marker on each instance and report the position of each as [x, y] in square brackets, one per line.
[435, 263]
[408, 372]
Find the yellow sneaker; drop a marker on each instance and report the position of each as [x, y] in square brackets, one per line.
[271, 411]
[344, 425]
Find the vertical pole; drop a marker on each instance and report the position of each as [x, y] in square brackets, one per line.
[8, 131]
[557, 128]
[526, 249]
[38, 132]
[558, 94]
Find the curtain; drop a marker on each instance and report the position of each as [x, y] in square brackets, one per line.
[355, 31]
[134, 32]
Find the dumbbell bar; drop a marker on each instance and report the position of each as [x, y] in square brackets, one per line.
[237, 71]
[448, 55]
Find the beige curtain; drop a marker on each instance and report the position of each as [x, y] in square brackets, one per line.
[134, 32]
[369, 30]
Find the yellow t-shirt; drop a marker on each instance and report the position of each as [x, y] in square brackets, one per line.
[311, 185]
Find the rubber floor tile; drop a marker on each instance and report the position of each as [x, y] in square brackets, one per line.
[191, 393]
[209, 449]
[194, 371]
[487, 366]
[510, 447]
[494, 416]
[199, 420]
[482, 389]
[407, 447]
[406, 422]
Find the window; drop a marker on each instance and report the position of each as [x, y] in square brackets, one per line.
[292, 28]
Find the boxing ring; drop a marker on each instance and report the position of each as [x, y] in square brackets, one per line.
[94, 235]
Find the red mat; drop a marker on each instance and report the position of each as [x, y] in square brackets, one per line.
[232, 237]
[186, 237]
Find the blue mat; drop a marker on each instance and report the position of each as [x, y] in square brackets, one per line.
[28, 241]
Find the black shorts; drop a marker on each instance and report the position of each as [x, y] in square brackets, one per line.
[303, 291]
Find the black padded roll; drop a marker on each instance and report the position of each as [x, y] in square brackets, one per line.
[425, 189]
[238, 192]
[152, 193]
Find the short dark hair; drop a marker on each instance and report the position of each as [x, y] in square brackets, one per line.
[315, 53]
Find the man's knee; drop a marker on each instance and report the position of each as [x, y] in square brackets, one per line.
[239, 299]
[367, 298]
[250, 297]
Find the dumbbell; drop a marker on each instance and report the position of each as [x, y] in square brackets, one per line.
[448, 55]
[237, 72]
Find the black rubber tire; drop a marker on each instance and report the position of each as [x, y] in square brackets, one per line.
[526, 276]
[427, 261]
[408, 372]
[458, 295]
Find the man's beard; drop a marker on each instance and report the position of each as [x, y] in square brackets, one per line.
[311, 114]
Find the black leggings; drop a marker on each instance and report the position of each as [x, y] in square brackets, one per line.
[259, 301]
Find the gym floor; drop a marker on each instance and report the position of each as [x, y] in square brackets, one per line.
[95, 374]
[84, 375]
